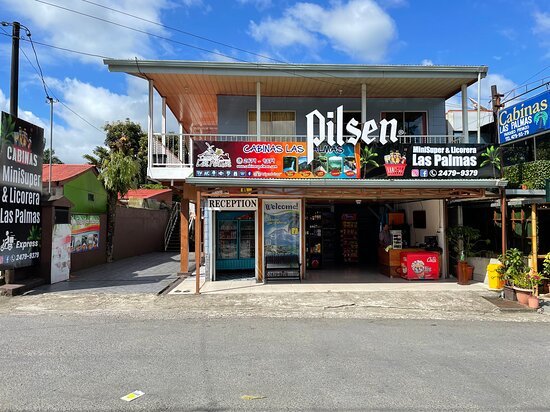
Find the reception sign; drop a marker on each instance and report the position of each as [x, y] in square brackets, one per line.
[274, 160]
[281, 227]
[22, 144]
[524, 119]
[84, 233]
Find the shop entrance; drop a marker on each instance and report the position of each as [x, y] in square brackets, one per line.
[342, 239]
[236, 244]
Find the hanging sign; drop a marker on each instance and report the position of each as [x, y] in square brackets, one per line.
[22, 145]
[274, 160]
[524, 119]
[232, 203]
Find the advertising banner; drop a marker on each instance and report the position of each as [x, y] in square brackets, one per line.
[431, 161]
[281, 227]
[22, 145]
[84, 233]
[61, 253]
[274, 160]
[524, 119]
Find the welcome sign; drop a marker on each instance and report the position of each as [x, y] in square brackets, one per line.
[524, 119]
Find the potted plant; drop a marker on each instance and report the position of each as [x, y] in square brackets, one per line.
[462, 242]
[535, 280]
[512, 271]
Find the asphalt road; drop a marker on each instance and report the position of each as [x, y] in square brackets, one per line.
[87, 362]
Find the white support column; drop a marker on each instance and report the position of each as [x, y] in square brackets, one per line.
[183, 144]
[363, 103]
[479, 107]
[258, 112]
[150, 126]
[465, 132]
[163, 124]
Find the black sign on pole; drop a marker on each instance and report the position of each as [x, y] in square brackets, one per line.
[21, 151]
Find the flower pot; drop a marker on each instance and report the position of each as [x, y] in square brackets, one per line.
[509, 293]
[523, 297]
[463, 273]
[533, 302]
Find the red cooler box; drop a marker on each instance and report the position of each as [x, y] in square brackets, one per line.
[420, 265]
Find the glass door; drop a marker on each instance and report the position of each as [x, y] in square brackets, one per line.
[227, 239]
[247, 237]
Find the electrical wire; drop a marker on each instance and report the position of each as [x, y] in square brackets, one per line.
[47, 89]
[186, 44]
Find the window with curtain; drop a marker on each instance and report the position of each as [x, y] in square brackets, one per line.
[412, 123]
[273, 123]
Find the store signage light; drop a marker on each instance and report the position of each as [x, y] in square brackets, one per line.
[328, 128]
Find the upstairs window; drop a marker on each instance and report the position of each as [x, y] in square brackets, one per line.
[411, 123]
[273, 123]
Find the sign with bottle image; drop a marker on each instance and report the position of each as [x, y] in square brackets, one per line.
[275, 160]
[22, 145]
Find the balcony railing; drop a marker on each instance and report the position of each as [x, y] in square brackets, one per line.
[173, 150]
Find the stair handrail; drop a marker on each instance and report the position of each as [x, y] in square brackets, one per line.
[176, 209]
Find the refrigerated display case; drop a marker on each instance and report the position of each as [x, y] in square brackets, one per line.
[235, 241]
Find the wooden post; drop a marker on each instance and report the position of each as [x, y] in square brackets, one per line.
[260, 240]
[503, 219]
[198, 244]
[534, 245]
[184, 236]
[303, 239]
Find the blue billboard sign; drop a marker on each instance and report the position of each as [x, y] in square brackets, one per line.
[524, 119]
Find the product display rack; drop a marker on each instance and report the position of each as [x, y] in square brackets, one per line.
[314, 238]
[348, 237]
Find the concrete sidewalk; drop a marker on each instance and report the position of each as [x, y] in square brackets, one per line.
[150, 273]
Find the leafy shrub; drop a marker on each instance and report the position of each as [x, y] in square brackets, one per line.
[531, 174]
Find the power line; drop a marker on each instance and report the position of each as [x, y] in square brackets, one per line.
[200, 37]
[177, 41]
[61, 48]
[48, 91]
[524, 83]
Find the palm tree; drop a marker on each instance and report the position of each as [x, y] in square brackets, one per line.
[7, 129]
[541, 118]
[100, 154]
[492, 157]
[46, 158]
[118, 174]
[367, 159]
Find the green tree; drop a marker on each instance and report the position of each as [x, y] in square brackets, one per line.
[118, 174]
[129, 138]
[46, 158]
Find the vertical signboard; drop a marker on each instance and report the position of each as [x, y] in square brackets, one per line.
[20, 191]
[281, 227]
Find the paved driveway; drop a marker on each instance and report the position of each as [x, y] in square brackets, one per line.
[148, 273]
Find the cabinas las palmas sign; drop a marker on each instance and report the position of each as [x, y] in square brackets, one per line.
[369, 150]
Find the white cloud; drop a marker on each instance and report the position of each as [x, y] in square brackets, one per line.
[359, 28]
[259, 4]
[62, 28]
[542, 22]
[427, 62]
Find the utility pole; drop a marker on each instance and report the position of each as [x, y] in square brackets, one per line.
[14, 85]
[51, 101]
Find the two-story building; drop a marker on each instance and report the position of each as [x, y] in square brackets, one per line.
[337, 152]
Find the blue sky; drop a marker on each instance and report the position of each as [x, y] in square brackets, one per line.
[512, 37]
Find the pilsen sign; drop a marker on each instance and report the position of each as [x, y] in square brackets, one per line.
[327, 128]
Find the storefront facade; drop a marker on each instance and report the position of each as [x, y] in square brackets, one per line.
[337, 151]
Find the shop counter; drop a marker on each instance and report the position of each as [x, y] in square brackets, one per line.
[389, 263]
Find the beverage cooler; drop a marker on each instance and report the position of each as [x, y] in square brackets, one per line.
[235, 241]
[420, 265]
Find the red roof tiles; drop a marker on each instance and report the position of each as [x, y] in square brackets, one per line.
[62, 173]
